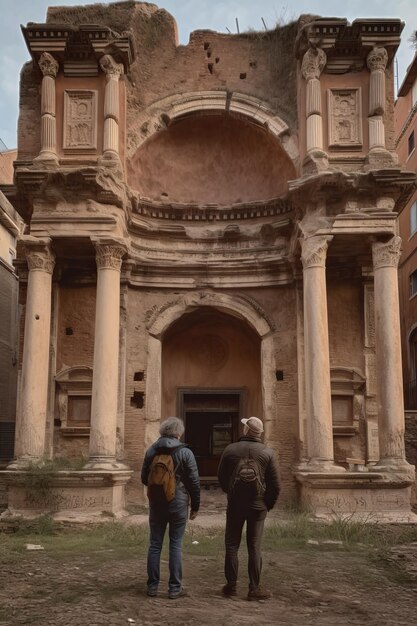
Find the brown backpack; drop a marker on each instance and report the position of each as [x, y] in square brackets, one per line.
[161, 479]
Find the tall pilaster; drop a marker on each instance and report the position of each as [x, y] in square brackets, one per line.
[388, 355]
[313, 63]
[377, 62]
[103, 426]
[113, 71]
[49, 68]
[317, 360]
[31, 420]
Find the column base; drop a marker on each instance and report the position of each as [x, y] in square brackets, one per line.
[380, 157]
[66, 495]
[396, 466]
[315, 162]
[106, 464]
[322, 466]
[47, 159]
[24, 462]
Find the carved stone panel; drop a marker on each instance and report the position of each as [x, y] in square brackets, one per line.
[80, 120]
[344, 118]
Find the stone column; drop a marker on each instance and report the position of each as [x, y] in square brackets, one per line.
[312, 66]
[106, 357]
[31, 420]
[317, 361]
[113, 72]
[388, 355]
[49, 68]
[377, 62]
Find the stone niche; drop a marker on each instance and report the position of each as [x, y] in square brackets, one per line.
[74, 387]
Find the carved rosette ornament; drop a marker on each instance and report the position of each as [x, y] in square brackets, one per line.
[109, 256]
[377, 59]
[386, 254]
[48, 65]
[110, 67]
[43, 260]
[314, 251]
[313, 63]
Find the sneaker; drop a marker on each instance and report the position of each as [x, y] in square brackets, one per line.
[229, 589]
[259, 594]
[173, 595]
[152, 593]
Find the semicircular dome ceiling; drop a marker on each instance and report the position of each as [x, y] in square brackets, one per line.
[211, 159]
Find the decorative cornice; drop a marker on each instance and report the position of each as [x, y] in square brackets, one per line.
[314, 251]
[210, 212]
[48, 65]
[386, 254]
[313, 63]
[109, 256]
[377, 59]
[110, 67]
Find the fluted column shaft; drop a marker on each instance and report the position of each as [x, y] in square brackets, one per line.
[317, 360]
[31, 420]
[113, 72]
[312, 65]
[377, 61]
[388, 353]
[106, 357]
[49, 68]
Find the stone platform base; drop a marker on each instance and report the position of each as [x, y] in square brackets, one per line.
[365, 496]
[66, 494]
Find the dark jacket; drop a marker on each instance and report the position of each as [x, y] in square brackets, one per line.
[266, 462]
[188, 482]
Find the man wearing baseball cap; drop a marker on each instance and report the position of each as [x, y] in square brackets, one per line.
[249, 475]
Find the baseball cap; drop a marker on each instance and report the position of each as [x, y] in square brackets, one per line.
[254, 423]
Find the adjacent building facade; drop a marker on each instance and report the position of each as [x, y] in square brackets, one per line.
[212, 234]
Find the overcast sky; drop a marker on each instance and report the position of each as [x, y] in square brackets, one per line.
[190, 15]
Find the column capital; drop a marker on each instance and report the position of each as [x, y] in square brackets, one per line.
[377, 59]
[110, 67]
[313, 63]
[314, 251]
[48, 65]
[38, 253]
[386, 254]
[109, 254]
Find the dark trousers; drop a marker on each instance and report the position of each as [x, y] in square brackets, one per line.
[158, 522]
[235, 519]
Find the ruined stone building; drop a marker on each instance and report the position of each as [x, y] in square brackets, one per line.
[11, 226]
[212, 233]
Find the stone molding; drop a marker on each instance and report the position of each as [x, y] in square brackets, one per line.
[109, 256]
[377, 59]
[313, 63]
[48, 65]
[386, 254]
[314, 251]
[110, 67]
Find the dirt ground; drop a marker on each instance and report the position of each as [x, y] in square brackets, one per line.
[86, 579]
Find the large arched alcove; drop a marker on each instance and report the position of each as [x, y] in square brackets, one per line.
[207, 159]
[211, 378]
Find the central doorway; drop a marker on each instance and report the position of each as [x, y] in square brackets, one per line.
[211, 418]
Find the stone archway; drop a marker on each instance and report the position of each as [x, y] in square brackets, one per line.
[246, 310]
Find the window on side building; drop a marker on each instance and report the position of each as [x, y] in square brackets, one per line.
[413, 218]
[411, 143]
[413, 283]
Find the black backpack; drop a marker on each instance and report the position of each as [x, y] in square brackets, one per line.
[247, 481]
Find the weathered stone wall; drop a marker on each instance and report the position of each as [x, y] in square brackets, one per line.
[411, 446]
[75, 340]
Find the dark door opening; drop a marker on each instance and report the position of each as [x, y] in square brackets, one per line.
[211, 419]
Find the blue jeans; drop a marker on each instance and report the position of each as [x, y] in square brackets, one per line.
[158, 521]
